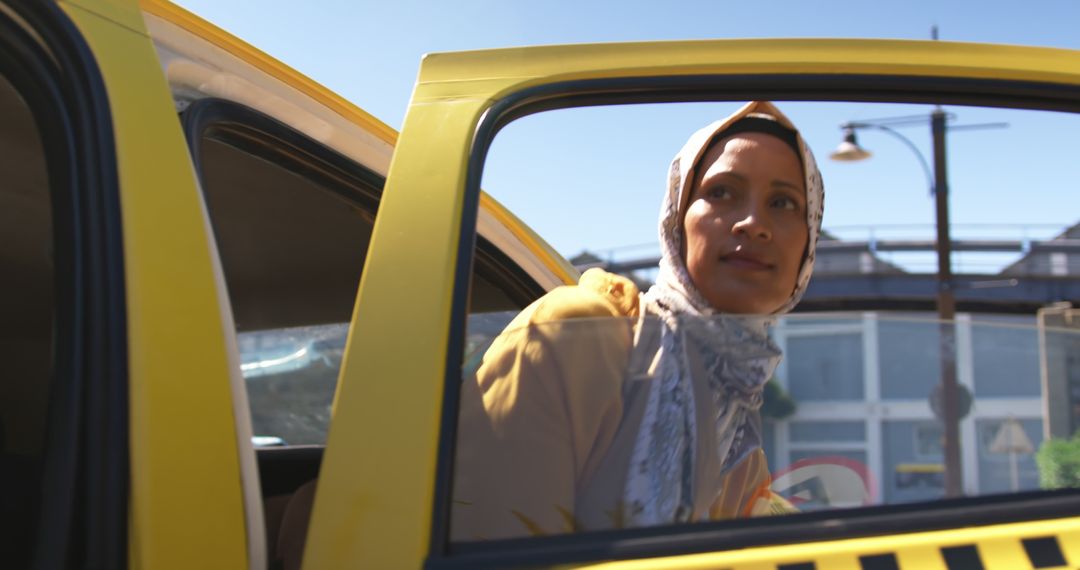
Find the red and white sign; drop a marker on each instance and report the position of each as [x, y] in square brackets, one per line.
[826, 482]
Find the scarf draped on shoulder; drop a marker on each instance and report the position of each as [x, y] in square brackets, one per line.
[735, 356]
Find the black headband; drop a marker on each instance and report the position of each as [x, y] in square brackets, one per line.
[762, 125]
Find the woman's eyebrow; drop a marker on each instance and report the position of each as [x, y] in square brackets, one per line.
[708, 177]
[725, 173]
[786, 184]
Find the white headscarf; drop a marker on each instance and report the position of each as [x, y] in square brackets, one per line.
[736, 354]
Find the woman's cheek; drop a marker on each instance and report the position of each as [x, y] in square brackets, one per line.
[697, 245]
[794, 251]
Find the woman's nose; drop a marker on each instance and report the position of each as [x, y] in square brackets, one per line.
[752, 224]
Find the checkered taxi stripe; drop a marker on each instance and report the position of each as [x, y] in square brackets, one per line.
[1046, 544]
[1041, 552]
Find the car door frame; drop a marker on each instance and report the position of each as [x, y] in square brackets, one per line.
[83, 475]
[185, 448]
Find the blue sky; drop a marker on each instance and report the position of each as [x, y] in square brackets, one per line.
[592, 178]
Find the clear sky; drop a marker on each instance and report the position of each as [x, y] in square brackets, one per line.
[592, 178]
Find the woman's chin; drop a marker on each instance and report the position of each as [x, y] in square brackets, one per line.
[744, 296]
[744, 306]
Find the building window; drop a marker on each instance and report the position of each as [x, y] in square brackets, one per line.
[1006, 357]
[909, 353]
[825, 367]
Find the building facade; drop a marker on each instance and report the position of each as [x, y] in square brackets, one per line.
[863, 384]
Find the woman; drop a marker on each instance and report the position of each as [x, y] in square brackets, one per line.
[578, 421]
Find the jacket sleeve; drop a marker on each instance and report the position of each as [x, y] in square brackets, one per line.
[541, 410]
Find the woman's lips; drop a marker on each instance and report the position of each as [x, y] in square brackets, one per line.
[745, 261]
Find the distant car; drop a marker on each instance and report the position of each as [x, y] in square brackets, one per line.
[915, 474]
[178, 209]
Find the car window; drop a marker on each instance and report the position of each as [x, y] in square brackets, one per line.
[292, 221]
[828, 447]
[624, 403]
[292, 248]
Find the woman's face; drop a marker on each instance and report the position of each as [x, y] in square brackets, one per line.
[745, 224]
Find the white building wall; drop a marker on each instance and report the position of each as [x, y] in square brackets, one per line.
[874, 411]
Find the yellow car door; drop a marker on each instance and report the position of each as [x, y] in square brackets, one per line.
[120, 443]
[384, 496]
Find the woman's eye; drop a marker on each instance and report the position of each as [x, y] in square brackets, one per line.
[785, 203]
[719, 192]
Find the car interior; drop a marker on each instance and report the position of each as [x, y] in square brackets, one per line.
[26, 341]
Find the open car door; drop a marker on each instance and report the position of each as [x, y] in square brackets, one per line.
[385, 493]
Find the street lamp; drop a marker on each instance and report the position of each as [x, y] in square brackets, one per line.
[849, 150]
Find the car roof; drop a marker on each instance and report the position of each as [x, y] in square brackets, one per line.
[201, 60]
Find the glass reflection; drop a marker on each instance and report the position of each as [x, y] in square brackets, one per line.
[565, 465]
[291, 374]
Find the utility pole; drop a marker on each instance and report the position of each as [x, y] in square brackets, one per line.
[946, 306]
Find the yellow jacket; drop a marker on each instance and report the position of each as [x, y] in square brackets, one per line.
[546, 425]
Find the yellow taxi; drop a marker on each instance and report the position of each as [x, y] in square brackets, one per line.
[206, 252]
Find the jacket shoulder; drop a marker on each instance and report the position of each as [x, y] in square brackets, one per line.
[597, 294]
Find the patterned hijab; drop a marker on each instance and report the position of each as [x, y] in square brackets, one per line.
[734, 356]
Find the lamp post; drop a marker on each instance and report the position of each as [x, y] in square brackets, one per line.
[849, 150]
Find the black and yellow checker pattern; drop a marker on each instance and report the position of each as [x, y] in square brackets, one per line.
[1050, 545]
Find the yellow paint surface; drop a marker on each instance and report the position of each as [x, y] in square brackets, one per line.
[186, 508]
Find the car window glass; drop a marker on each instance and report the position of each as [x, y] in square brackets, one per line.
[292, 233]
[292, 249]
[610, 405]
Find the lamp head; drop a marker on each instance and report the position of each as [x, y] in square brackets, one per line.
[849, 150]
